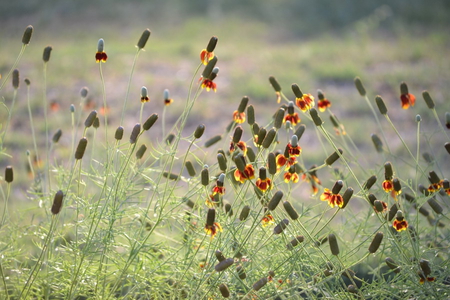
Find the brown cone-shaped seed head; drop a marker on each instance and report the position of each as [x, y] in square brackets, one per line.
[199, 131]
[170, 138]
[224, 264]
[46, 54]
[243, 104]
[315, 117]
[219, 255]
[297, 92]
[333, 244]
[377, 143]
[372, 198]
[27, 35]
[272, 163]
[425, 266]
[370, 182]
[260, 283]
[237, 134]
[268, 139]
[388, 172]
[15, 79]
[359, 86]
[241, 272]
[90, 119]
[261, 135]
[251, 154]
[223, 288]
[9, 174]
[222, 162]
[300, 130]
[244, 213]
[376, 242]
[171, 176]
[119, 133]
[279, 116]
[57, 202]
[378, 205]
[57, 136]
[204, 176]
[281, 226]
[290, 210]
[209, 67]
[392, 265]
[239, 160]
[213, 141]
[276, 86]
[81, 148]
[333, 157]
[293, 243]
[428, 100]
[337, 187]
[143, 39]
[404, 88]
[347, 196]
[150, 121]
[96, 123]
[381, 106]
[141, 151]
[392, 212]
[228, 209]
[435, 205]
[135, 133]
[211, 217]
[397, 185]
[433, 177]
[250, 115]
[276, 198]
[190, 168]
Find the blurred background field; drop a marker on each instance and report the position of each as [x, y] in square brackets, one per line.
[316, 44]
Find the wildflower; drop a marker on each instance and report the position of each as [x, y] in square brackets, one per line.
[293, 148]
[291, 115]
[380, 206]
[285, 159]
[144, 95]
[207, 54]
[263, 183]
[208, 84]
[248, 173]
[213, 200]
[388, 184]
[291, 175]
[209, 74]
[425, 271]
[239, 145]
[311, 177]
[436, 182]
[323, 103]
[303, 101]
[332, 196]
[212, 227]
[424, 278]
[219, 188]
[400, 223]
[446, 186]
[267, 220]
[54, 105]
[100, 56]
[406, 98]
[167, 99]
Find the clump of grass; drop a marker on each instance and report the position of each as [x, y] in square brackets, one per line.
[135, 219]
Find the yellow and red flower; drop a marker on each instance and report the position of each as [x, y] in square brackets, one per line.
[263, 183]
[400, 224]
[267, 220]
[293, 118]
[305, 103]
[239, 145]
[101, 56]
[407, 100]
[424, 278]
[207, 54]
[291, 175]
[248, 173]
[294, 150]
[312, 178]
[323, 104]
[282, 160]
[388, 186]
[212, 227]
[333, 199]
[208, 84]
[239, 117]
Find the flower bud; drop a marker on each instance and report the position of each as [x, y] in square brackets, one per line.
[81, 148]
[9, 174]
[190, 168]
[57, 136]
[352, 289]
[418, 118]
[428, 100]
[72, 108]
[170, 138]
[143, 39]
[276, 198]
[333, 244]
[251, 154]
[228, 209]
[199, 131]
[84, 92]
[119, 133]
[381, 106]
[150, 121]
[96, 123]
[57, 202]
[212, 141]
[222, 162]
[376, 242]
[27, 35]
[135, 133]
[27, 81]
[144, 94]
[141, 151]
[360, 87]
